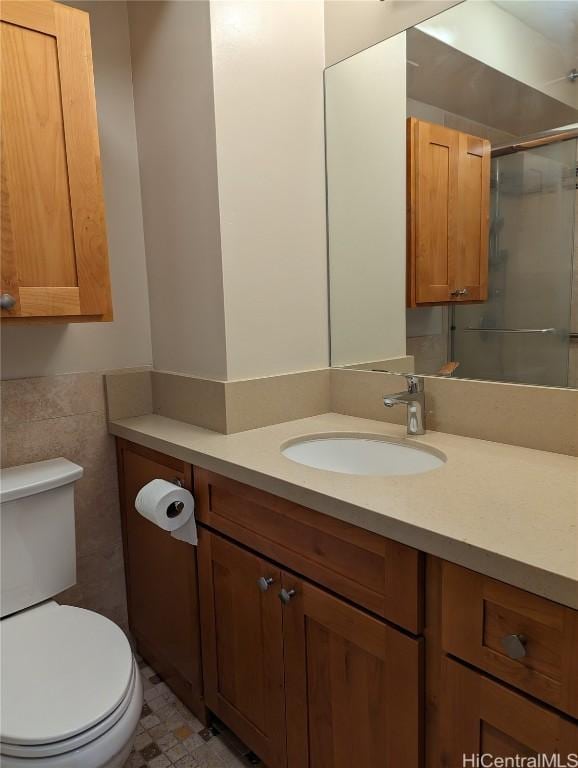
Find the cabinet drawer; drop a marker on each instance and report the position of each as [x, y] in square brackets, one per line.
[480, 716]
[371, 571]
[486, 622]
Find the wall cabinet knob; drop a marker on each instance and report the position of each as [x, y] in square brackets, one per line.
[515, 646]
[7, 301]
[265, 582]
[459, 292]
[286, 596]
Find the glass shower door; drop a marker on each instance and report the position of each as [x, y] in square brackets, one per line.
[521, 334]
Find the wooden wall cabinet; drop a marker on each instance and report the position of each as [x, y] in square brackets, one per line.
[448, 201]
[54, 245]
[161, 578]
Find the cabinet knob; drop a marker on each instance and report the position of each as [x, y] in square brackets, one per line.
[286, 596]
[7, 301]
[515, 646]
[459, 292]
[265, 582]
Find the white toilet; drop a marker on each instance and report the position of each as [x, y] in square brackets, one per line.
[71, 694]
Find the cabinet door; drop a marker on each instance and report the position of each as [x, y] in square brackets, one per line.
[480, 716]
[161, 577]
[435, 158]
[353, 685]
[54, 248]
[243, 645]
[470, 268]
[448, 215]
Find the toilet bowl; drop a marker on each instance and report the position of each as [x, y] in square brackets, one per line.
[71, 692]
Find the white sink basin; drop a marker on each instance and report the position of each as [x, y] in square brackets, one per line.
[362, 455]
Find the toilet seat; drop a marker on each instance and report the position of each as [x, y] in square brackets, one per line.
[68, 676]
[76, 742]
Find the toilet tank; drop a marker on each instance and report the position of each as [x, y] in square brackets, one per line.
[38, 547]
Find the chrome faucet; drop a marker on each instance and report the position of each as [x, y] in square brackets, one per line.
[414, 399]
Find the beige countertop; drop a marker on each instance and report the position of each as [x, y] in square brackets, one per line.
[508, 512]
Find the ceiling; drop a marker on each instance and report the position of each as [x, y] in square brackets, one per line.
[444, 77]
[555, 19]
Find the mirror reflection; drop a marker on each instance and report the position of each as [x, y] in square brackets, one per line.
[452, 155]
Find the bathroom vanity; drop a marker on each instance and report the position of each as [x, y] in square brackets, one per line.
[327, 643]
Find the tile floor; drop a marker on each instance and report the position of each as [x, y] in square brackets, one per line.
[169, 734]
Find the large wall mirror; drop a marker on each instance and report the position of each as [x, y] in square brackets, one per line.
[452, 205]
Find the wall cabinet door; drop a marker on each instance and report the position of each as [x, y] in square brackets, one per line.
[448, 215]
[161, 573]
[480, 716]
[54, 247]
[353, 685]
[243, 645]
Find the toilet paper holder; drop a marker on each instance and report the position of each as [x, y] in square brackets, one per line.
[175, 509]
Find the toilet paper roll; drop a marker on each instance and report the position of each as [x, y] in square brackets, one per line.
[170, 507]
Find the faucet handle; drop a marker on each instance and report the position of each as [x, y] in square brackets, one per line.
[414, 383]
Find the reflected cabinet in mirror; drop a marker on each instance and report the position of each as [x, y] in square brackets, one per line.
[452, 156]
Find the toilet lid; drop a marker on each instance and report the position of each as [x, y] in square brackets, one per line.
[64, 670]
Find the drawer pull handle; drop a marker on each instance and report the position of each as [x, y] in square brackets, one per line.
[265, 582]
[286, 596]
[515, 646]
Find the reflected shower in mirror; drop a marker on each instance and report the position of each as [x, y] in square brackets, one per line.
[452, 155]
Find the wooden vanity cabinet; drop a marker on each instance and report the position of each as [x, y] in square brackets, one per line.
[316, 649]
[480, 715]
[361, 566]
[448, 209]
[242, 634]
[301, 671]
[304, 674]
[54, 245]
[485, 694]
[301, 676]
[161, 578]
[353, 684]
[527, 641]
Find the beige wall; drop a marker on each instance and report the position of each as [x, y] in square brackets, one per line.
[51, 416]
[229, 113]
[268, 84]
[172, 76]
[543, 418]
[353, 25]
[365, 113]
[62, 348]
